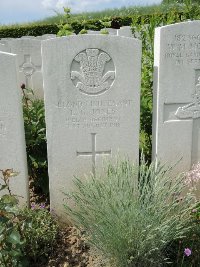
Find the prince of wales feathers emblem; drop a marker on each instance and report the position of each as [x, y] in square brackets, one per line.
[92, 78]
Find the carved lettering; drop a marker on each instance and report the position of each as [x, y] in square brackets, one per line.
[184, 49]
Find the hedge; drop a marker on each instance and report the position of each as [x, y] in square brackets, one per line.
[93, 24]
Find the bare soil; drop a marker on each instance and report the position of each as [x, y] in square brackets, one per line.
[71, 248]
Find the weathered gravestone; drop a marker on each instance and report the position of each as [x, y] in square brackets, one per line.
[92, 99]
[176, 126]
[12, 138]
[28, 51]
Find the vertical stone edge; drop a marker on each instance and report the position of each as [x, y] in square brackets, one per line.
[157, 54]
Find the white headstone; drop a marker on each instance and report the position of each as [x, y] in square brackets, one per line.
[30, 63]
[46, 36]
[28, 37]
[109, 30]
[92, 99]
[4, 43]
[176, 121]
[4, 48]
[125, 31]
[5, 40]
[12, 138]
[93, 32]
[112, 31]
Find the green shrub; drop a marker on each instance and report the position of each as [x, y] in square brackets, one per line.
[35, 134]
[104, 31]
[65, 27]
[39, 229]
[83, 31]
[11, 241]
[26, 235]
[18, 31]
[132, 222]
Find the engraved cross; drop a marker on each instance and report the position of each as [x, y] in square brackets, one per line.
[28, 68]
[93, 153]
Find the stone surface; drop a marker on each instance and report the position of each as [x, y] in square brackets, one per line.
[110, 31]
[28, 51]
[92, 100]
[4, 48]
[28, 37]
[12, 138]
[125, 31]
[93, 32]
[4, 43]
[46, 36]
[5, 40]
[176, 121]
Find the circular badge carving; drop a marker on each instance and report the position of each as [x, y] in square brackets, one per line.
[92, 71]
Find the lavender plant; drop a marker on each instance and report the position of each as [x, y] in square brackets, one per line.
[133, 213]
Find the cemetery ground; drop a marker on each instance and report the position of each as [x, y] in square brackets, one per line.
[40, 242]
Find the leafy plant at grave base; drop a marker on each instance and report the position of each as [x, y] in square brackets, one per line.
[11, 241]
[35, 133]
[26, 235]
[132, 223]
[83, 31]
[104, 31]
[39, 229]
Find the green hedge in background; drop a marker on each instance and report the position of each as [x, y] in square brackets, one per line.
[34, 30]
[18, 31]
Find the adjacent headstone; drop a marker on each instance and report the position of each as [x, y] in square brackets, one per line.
[12, 138]
[176, 122]
[109, 30]
[4, 45]
[112, 31]
[46, 36]
[5, 40]
[125, 31]
[93, 32]
[28, 51]
[92, 102]
[3, 48]
[28, 36]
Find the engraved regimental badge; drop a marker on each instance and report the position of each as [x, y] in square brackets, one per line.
[92, 71]
[191, 110]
